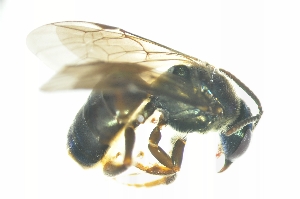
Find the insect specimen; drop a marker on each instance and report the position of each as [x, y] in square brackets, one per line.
[137, 82]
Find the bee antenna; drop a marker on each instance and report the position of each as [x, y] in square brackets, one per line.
[244, 122]
[245, 88]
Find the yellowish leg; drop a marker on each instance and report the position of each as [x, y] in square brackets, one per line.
[113, 169]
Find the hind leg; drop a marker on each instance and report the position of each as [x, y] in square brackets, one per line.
[111, 168]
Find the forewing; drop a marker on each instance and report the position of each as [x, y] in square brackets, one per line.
[72, 43]
[88, 54]
[123, 77]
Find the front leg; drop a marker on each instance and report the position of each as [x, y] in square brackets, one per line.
[172, 163]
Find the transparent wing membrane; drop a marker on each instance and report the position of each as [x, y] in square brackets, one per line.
[74, 43]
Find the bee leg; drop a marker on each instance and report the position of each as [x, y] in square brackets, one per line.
[113, 169]
[168, 173]
[173, 162]
[164, 180]
[177, 153]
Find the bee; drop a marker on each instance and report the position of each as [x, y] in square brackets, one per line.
[137, 82]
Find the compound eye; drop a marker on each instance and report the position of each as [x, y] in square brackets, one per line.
[242, 148]
[181, 71]
[232, 147]
[236, 145]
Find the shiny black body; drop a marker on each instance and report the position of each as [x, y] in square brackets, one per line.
[96, 124]
[124, 71]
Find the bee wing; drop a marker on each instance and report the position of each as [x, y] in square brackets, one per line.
[106, 76]
[123, 77]
[76, 43]
[85, 54]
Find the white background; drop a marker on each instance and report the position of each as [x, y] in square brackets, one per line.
[256, 40]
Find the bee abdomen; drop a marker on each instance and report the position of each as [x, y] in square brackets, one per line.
[83, 146]
[92, 131]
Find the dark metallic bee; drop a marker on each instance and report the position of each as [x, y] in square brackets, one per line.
[129, 91]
